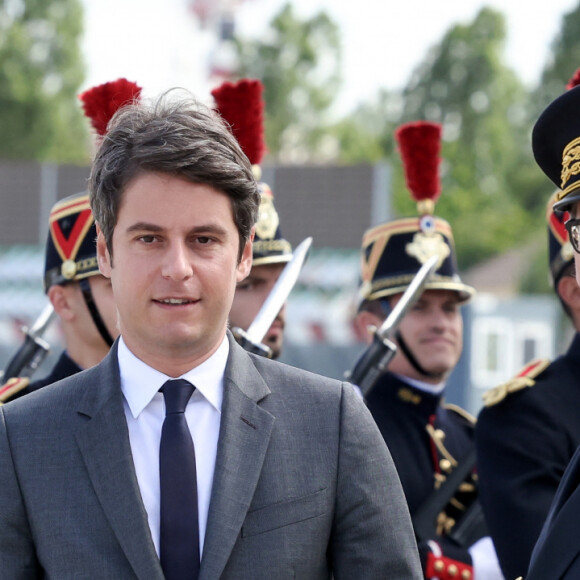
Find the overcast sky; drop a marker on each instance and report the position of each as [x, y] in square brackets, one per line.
[158, 43]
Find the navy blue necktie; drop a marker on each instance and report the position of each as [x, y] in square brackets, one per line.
[179, 527]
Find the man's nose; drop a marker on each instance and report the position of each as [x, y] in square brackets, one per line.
[177, 263]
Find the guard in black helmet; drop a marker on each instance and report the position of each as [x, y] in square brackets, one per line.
[430, 441]
[81, 297]
[556, 147]
[528, 430]
[242, 106]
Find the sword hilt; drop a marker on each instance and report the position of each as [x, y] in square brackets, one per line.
[372, 364]
[248, 344]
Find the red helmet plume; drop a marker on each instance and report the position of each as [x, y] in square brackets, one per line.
[420, 145]
[574, 80]
[241, 105]
[101, 102]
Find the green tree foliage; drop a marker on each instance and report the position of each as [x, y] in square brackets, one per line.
[366, 135]
[487, 163]
[298, 61]
[563, 62]
[40, 73]
[493, 194]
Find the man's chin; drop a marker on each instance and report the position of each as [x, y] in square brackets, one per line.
[439, 372]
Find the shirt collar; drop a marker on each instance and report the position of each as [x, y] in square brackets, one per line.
[421, 386]
[140, 382]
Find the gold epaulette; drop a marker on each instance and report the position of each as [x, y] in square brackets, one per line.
[11, 387]
[525, 378]
[461, 412]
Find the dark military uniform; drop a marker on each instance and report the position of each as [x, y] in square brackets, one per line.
[525, 440]
[555, 141]
[64, 367]
[406, 416]
[528, 432]
[430, 443]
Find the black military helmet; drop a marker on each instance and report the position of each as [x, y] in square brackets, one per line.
[556, 146]
[393, 253]
[71, 250]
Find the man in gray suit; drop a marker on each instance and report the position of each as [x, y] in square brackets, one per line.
[291, 477]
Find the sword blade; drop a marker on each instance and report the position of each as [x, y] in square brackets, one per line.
[279, 294]
[409, 298]
[375, 359]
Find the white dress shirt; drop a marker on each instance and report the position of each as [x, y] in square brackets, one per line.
[145, 413]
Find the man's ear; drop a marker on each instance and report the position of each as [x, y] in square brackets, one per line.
[245, 263]
[569, 292]
[59, 297]
[103, 256]
[365, 323]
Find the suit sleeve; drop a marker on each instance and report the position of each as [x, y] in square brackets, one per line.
[522, 455]
[372, 534]
[17, 555]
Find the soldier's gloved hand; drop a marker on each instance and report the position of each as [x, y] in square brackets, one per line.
[445, 561]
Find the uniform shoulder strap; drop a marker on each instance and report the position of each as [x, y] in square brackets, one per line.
[11, 387]
[461, 412]
[525, 378]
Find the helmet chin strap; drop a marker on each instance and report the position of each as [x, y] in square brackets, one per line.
[94, 311]
[414, 362]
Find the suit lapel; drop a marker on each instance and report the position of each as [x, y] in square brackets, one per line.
[104, 444]
[244, 436]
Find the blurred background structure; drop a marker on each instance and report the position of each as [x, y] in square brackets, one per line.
[336, 87]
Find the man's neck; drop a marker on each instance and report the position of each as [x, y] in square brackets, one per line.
[174, 364]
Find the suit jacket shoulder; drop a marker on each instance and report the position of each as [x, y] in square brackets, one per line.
[301, 463]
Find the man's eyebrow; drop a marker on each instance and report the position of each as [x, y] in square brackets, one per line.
[200, 229]
[144, 226]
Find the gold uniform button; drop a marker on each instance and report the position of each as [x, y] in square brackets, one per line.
[440, 434]
[452, 570]
[466, 575]
[439, 566]
[445, 465]
[68, 269]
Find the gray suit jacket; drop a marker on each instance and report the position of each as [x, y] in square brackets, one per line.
[304, 486]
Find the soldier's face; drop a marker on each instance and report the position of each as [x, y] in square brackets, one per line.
[433, 332]
[250, 295]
